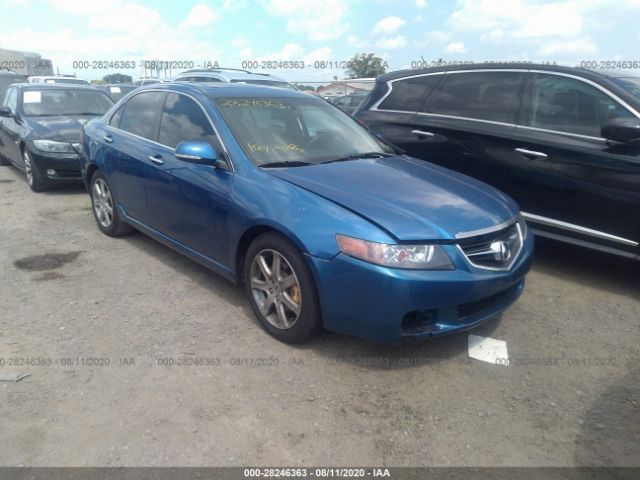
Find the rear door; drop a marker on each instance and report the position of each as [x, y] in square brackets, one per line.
[129, 142]
[467, 125]
[393, 116]
[188, 202]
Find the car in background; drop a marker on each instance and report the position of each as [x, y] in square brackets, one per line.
[232, 75]
[281, 191]
[116, 90]
[9, 77]
[563, 142]
[41, 126]
[348, 103]
[147, 81]
[66, 79]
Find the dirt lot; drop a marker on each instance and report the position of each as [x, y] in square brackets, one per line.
[96, 320]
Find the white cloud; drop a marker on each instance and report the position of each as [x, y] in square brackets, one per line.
[421, 3]
[388, 25]
[356, 42]
[493, 35]
[579, 45]
[240, 42]
[392, 42]
[436, 36]
[455, 47]
[319, 22]
[126, 18]
[522, 18]
[199, 16]
[6, 4]
[116, 31]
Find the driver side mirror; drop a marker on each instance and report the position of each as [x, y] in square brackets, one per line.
[198, 152]
[623, 130]
[5, 112]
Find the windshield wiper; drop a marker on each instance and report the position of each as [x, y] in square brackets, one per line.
[84, 113]
[355, 156]
[292, 163]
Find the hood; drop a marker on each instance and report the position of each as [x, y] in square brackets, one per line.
[410, 198]
[61, 129]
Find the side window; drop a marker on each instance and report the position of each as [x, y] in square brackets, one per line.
[183, 120]
[140, 112]
[492, 96]
[570, 105]
[409, 94]
[115, 118]
[11, 100]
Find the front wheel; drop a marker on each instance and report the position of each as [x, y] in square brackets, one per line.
[32, 174]
[104, 207]
[281, 289]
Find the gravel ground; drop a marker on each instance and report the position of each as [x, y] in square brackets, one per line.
[95, 320]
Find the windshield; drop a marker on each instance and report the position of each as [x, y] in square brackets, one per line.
[64, 102]
[301, 130]
[267, 83]
[630, 84]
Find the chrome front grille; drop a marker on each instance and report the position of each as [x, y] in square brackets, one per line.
[494, 251]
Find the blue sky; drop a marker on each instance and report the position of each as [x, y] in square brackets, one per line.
[565, 31]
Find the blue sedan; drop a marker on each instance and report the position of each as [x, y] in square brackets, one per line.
[324, 223]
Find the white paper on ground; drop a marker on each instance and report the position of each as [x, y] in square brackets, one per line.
[488, 350]
[115, 89]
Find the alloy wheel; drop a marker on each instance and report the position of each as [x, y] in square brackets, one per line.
[28, 168]
[102, 203]
[276, 289]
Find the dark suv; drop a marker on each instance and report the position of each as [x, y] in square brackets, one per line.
[563, 142]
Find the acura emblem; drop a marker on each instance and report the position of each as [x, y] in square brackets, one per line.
[500, 251]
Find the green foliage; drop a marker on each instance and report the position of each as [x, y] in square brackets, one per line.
[366, 65]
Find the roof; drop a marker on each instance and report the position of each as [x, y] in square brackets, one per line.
[498, 66]
[223, 90]
[229, 74]
[54, 86]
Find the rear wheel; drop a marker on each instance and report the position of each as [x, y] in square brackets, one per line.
[31, 172]
[104, 207]
[281, 289]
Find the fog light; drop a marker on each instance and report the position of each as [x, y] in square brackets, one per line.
[51, 173]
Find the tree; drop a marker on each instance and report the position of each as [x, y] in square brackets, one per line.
[117, 78]
[304, 87]
[366, 65]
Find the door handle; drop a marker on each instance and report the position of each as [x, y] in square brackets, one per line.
[531, 153]
[157, 159]
[422, 133]
[108, 138]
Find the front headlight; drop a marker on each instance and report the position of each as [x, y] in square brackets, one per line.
[416, 257]
[54, 147]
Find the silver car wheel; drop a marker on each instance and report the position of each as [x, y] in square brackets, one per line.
[28, 168]
[102, 202]
[276, 289]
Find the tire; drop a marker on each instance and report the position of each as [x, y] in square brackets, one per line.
[103, 205]
[34, 180]
[272, 300]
